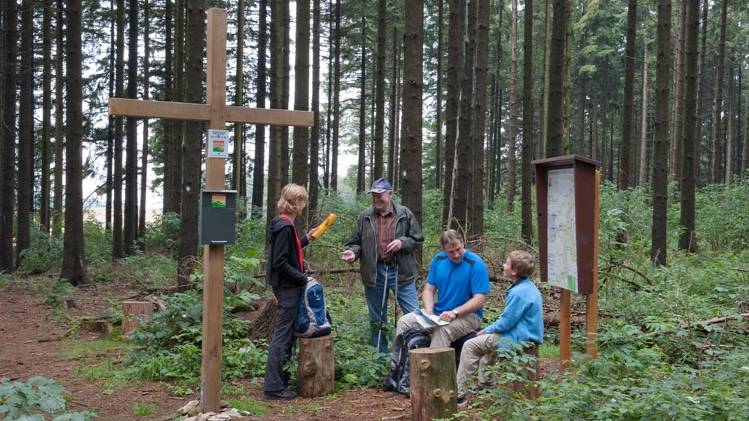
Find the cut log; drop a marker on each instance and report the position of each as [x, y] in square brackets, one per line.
[133, 312]
[433, 384]
[316, 372]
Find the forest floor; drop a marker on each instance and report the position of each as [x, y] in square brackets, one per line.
[39, 339]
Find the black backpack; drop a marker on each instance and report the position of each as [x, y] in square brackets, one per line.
[397, 379]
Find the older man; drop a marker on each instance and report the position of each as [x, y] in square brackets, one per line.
[461, 280]
[385, 240]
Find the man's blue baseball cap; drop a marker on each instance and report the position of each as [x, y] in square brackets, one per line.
[381, 185]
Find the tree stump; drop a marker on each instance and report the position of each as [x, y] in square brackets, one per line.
[133, 311]
[532, 372]
[316, 372]
[433, 384]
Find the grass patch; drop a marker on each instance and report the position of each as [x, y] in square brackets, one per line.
[110, 374]
[143, 409]
[250, 405]
[307, 408]
[82, 348]
[548, 350]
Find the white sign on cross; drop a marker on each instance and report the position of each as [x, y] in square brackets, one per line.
[217, 114]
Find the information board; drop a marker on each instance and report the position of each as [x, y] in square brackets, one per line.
[562, 238]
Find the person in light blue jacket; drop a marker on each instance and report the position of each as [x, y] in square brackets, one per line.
[521, 321]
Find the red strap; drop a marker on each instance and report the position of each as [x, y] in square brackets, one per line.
[298, 242]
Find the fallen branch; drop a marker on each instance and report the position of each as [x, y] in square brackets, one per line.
[704, 323]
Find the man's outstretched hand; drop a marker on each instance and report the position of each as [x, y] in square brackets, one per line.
[348, 256]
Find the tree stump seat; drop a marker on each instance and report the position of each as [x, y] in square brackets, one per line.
[433, 383]
[532, 372]
[316, 370]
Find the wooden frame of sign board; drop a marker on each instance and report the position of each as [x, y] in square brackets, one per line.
[578, 265]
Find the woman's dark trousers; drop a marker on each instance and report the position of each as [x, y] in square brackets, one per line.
[283, 338]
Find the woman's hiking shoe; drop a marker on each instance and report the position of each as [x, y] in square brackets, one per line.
[282, 394]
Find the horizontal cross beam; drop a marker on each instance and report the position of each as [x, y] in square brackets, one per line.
[202, 112]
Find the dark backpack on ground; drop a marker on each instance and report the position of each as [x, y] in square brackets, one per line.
[397, 379]
[312, 318]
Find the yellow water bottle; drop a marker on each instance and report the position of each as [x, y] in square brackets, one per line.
[324, 226]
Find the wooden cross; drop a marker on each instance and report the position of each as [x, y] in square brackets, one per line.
[217, 114]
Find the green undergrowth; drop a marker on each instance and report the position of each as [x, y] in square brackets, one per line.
[37, 399]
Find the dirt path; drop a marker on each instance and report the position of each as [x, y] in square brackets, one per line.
[33, 341]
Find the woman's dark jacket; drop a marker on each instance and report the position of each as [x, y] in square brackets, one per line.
[283, 259]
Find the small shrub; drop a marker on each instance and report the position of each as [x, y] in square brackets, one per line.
[36, 399]
[143, 409]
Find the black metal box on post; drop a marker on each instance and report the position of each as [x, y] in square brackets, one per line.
[568, 206]
[218, 220]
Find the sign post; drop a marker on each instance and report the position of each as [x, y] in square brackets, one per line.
[217, 114]
[568, 201]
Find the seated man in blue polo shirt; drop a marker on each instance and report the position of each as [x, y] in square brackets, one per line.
[461, 281]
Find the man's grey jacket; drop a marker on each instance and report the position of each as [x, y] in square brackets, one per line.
[363, 243]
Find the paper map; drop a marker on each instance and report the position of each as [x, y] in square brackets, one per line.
[562, 240]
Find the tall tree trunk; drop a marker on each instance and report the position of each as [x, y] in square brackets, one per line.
[513, 131]
[393, 125]
[276, 83]
[130, 228]
[301, 93]
[438, 109]
[548, 25]
[730, 119]
[144, 151]
[46, 113]
[527, 224]
[557, 70]
[625, 166]
[463, 146]
[329, 112]
[258, 171]
[285, 83]
[178, 127]
[314, 144]
[658, 250]
[644, 119]
[413, 86]
[25, 132]
[336, 100]
[110, 121]
[479, 119]
[701, 94]
[117, 240]
[73, 269]
[8, 130]
[677, 123]
[167, 125]
[687, 239]
[379, 100]
[715, 148]
[59, 132]
[191, 147]
[238, 155]
[454, 62]
[361, 166]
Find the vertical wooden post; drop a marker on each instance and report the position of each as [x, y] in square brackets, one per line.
[591, 316]
[565, 327]
[213, 255]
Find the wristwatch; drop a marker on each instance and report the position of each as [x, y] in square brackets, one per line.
[455, 312]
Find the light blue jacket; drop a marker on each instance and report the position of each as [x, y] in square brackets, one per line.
[523, 317]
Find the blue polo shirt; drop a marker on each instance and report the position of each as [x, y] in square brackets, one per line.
[457, 283]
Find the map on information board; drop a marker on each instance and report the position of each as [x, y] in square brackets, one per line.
[562, 240]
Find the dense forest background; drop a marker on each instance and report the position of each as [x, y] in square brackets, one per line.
[443, 95]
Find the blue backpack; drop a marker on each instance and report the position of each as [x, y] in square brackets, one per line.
[312, 318]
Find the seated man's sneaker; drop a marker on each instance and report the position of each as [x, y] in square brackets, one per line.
[462, 402]
[282, 394]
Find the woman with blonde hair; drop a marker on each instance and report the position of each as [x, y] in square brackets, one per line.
[285, 273]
